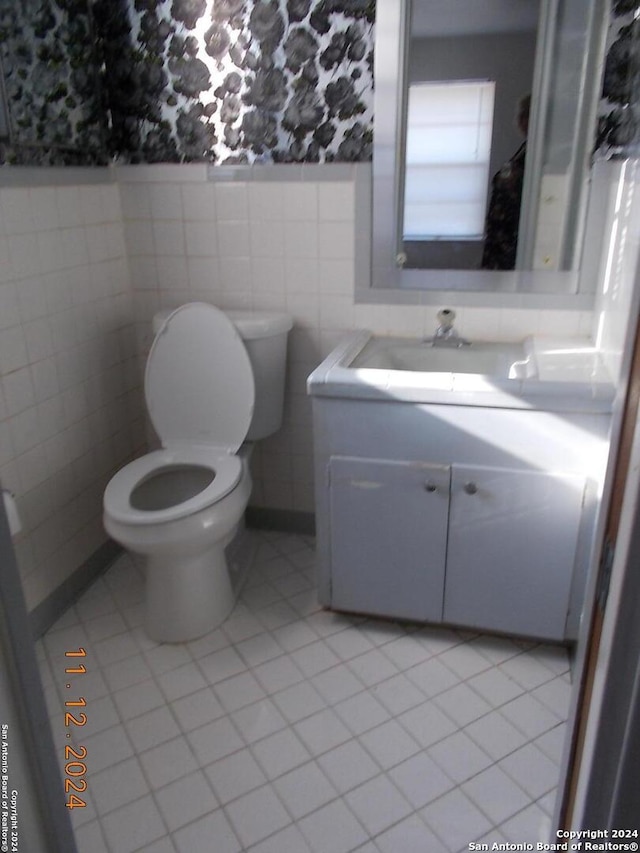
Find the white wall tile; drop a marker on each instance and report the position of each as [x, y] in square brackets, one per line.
[300, 202]
[301, 239]
[74, 247]
[301, 275]
[165, 201]
[336, 239]
[139, 237]
[276, 246]
[5, 268]
[134, 199]
[91, 205]
[267, 275]
[232, 202]
[616, 193]
[203, 274]
[173, 274]
[44, 209]
[335, 202]
[24, 253]
[263, 300]
[68, 204]
[13, 350]
[201, 238]
[16, 211]
[304, 308]
[235, 274]
[267, 238]
[18, 392]
[7, 453]
[144, 273]
[233, 238]
[266, 201]
[336, 312]
[168, 237]
[336, 276]
[25, 430]
[199, 202]
[9, 305]
[45, 377]
[32, 299]
[62, 262]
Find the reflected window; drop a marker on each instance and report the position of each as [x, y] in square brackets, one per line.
[448, 148]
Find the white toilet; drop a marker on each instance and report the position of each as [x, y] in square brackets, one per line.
[207, 391]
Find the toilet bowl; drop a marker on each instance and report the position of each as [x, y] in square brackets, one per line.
[180, 506]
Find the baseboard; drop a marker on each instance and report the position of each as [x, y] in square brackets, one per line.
[45, 614]
[286, 520]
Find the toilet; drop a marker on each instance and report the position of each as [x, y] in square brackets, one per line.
[212, 382]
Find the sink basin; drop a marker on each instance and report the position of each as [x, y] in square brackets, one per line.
[508, 361]
[543, 374]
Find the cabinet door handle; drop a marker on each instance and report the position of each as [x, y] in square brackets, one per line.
[430, 487]
[470, 488]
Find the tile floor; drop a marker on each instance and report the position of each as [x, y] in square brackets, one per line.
[297, 730]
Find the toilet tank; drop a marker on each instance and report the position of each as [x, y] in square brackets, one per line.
[264, 334]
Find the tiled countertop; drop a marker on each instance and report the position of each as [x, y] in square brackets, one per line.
[568, 375]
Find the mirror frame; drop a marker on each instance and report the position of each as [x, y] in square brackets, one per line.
[378, 277]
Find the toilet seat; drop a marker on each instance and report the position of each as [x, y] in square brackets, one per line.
[198, 381]
[117, 497]
[200, 394]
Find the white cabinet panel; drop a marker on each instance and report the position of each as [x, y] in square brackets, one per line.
[513, 557]
[388, 529]
[511, 550]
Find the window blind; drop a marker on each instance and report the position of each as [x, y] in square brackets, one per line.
[447, 159]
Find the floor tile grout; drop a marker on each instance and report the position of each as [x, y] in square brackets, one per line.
[247, 643]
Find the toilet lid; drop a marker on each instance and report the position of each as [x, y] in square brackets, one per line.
[199, 382]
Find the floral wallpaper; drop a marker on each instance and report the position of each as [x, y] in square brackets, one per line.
[238, 81]
[619, 114]
[50, 74]
[223, 81]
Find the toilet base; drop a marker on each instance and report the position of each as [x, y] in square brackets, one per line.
[186, 604]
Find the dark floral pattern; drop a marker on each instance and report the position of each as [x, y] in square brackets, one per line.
[224, 81]
[51, 80]
[618, 131]
[299, 47]
[188, 12]
[235, 81]
[227, 81]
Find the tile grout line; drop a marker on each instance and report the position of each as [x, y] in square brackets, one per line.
[331, 625]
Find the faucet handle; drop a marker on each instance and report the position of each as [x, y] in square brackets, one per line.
[446, 316]
[445, 330]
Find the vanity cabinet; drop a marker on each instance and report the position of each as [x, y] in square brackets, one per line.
[512, 545]
[479, 518]
[390, 517]
[467, 545]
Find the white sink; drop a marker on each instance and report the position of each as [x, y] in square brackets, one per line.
[507, 361]
[543, 374]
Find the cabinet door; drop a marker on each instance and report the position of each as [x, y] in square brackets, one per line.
[388, 537]
[512, 543]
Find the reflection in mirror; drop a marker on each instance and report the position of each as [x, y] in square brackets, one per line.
[466, 75]
[452, 84]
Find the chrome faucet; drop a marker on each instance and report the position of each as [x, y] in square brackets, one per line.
[446, 335]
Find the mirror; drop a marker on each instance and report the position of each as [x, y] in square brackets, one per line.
[450, 79]
[467, 70]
